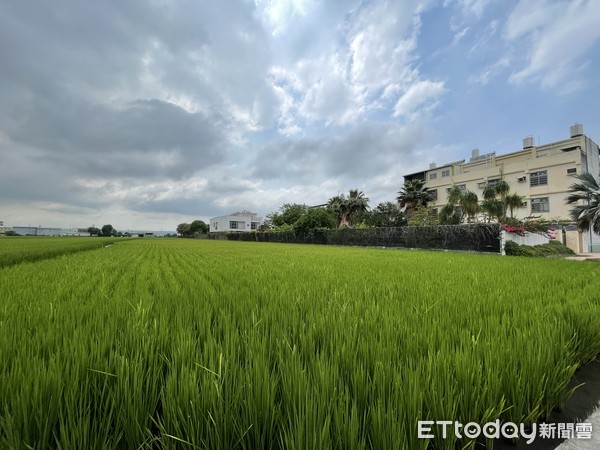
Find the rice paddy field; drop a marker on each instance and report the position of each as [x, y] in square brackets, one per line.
[17, 250]
[195, 344]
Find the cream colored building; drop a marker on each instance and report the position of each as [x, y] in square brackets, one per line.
[541, 174]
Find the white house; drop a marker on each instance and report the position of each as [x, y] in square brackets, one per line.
[238, 221]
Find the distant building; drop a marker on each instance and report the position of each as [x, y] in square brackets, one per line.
[242, 221]
[4, 229]
[47, 231]
[37, 231]
[540, 174]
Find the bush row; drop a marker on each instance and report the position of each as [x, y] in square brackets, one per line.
[552, 248]
[465, 237]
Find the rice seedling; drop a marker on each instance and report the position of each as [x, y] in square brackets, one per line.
[186, 344]
[15, 250]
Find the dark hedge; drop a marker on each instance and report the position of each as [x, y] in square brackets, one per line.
[470, 237]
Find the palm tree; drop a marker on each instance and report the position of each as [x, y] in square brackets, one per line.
[513, 201]
[470, 204]
[414, 195]
[345, 208]
[466, 201]
[356, 203]
[338, 205]
[448, 215]
[502, 188]
[492, 207]
[587, 215]
[454, 195]
[489, 192]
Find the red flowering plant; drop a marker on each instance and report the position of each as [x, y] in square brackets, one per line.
[516, 229]
[530, 225]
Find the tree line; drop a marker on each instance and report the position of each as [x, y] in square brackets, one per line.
[106, 231]
[341, 211]
[196, 228]
[412, 207]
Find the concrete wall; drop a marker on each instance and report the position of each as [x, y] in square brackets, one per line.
[595, 242]
[576, 240]
[530, 239]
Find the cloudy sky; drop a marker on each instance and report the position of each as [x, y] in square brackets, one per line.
[145, 114]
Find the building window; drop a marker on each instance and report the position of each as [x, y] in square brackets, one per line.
[233, 225]
[446, 173]
[434, 195]
[540, 205]
[493, 182]
[253, 225]
[539, 178]
[572, 171]
[432, 176]
[216, 226]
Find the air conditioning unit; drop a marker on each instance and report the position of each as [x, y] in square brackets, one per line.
[521, 179]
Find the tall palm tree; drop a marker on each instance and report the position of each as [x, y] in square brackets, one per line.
[470, 204]
[513, 201]
[502, 188]
[356, 203]
[587, 215]
[492, 207]
[466, 201]
[448, 216]
[338, 205]
[454, 195]
[413, 195]
[489, 193]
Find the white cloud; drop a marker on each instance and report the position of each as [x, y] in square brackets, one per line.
[473, 7]
[372, 62]
[481, 46]
[418, 95]
[490, 71]
[173, 110]
[556, 36]
[278, 14]
[460, 35]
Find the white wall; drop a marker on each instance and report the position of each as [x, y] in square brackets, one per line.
[223, 223]
[530, 239]
[595, 238]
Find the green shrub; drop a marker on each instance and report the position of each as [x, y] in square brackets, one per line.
[511, 248]
[313, 219]
[552, 248]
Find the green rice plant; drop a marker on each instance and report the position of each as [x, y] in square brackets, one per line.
[187, 344]
[15, 250]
